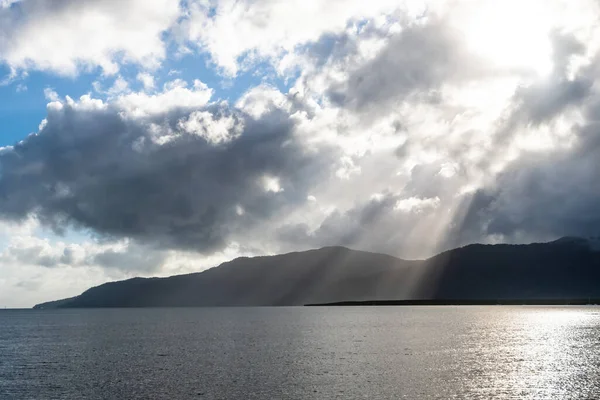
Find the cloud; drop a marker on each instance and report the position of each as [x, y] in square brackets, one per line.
[175, 94]
[173, 178]
[474, 142]
[237, 33]
[69, 36]
[119, 86]
[543, 99]
[28, 248]
[36, 266]
[543, 195]
[417, 60]
[24, 285]
[139, 259]
[408, 128]
[146, 79]
[51, 95]
[546, 189]
[387, 223]
[34, 251]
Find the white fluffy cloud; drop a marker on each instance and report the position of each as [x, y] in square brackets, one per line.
[175, 94]
[68, 36]
[235, 32]
[146, 79]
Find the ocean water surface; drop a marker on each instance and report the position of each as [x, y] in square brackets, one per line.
[301, 353]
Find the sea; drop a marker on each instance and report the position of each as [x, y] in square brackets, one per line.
[493, 352]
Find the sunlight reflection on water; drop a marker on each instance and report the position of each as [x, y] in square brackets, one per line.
[302, 353]
[541, 353]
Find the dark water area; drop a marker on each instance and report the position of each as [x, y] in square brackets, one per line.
[301, 353]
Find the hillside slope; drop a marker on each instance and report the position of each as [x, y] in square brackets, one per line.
[567, 268]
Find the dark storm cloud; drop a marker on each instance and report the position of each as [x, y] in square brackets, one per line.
[93, 168]
[417, 60]
[541, 102]
[548, 97]
[552, 193]
[544, 195]
[136, 258]
[549, 194]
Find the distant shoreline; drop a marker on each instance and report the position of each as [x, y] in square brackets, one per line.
[465, 302]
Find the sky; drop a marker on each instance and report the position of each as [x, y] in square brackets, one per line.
[158, 137]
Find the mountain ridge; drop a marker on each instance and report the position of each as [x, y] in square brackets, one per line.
[334, 274]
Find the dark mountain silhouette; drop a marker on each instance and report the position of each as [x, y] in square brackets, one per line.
[566, 268]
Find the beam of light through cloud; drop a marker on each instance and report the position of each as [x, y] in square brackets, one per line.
[207, 130]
